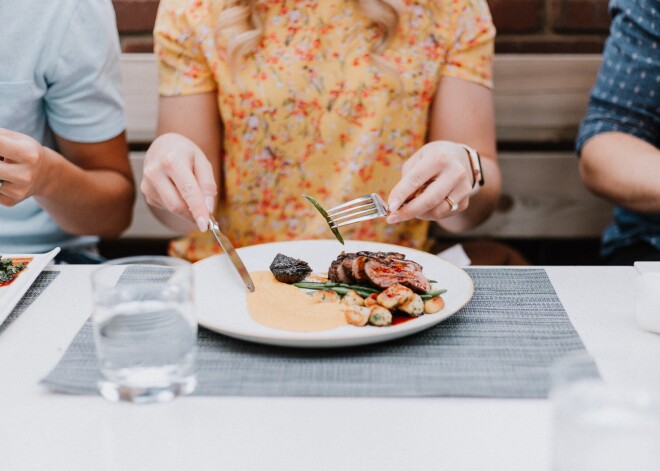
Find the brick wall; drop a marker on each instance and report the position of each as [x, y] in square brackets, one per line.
[524, 26]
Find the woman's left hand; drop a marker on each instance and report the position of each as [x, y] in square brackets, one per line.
[440, 169]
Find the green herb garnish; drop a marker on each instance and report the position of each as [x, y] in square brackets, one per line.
[324, 213]
[8, 270]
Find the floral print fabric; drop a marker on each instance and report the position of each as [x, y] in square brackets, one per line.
[310, 111]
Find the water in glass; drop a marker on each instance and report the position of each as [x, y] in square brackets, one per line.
[599, 429]
[145, 336]
[603, 422]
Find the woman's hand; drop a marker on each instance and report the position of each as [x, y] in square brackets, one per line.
[24, 167]
[179, 179]
[440, 169]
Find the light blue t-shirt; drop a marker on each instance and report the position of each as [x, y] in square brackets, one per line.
[59, 73]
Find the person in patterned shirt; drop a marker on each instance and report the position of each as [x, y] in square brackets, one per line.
[263, 101]
[618, 139]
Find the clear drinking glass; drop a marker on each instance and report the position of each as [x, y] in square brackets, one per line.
[602, 423]
[648, 301]
[144, 328]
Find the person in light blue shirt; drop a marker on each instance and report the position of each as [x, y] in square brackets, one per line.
[618, 139]
[65, 178]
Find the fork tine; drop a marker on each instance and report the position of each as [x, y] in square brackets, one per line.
[361, 199]
[372, 215]
[351, 216]
[352, 209]
[359, 209]
[381, 205]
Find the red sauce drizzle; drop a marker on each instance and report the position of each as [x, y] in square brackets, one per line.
[396, 319]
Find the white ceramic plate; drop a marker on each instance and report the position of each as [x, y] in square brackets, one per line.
[12, 293]
[222, 306]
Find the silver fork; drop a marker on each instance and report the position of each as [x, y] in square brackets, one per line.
[360, 209]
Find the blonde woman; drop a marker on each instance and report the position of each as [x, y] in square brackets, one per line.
[264, 100]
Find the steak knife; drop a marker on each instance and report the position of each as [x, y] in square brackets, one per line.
[214, 227]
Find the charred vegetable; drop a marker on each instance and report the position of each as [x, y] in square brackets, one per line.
[324, 213]
[8, 270]
[288, 269]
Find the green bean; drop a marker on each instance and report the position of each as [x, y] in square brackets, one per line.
[366, 289]
[432, 294]
[330, 285]
[363, 291]
[338, 288]
[324, 213]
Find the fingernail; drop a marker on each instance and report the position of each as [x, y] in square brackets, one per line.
[201, 223]
[210, 201]
[392, 219]
[394, 205]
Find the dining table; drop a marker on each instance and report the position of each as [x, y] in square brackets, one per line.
[43, 430]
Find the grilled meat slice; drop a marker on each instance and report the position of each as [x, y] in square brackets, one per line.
[357, 269]
[341, 268]
[378, 269]
[384, 256]
[347, 267]
[404, 272]
[333, 271]
[359, 275]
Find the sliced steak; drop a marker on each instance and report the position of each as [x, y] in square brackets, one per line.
[378, 269]
[383, 256]
[358, 272]
[333, 271]
[405, 272]
[347, 267]
[341, 268]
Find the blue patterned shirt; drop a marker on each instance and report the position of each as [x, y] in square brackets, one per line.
[626, 98]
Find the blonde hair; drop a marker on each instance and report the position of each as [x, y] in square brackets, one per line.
[241, 23]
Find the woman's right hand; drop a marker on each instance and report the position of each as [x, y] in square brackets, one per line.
[178, 178]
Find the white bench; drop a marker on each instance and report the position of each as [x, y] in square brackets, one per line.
[539, 102]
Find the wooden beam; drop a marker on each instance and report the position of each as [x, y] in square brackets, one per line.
[544, 197]
[540, 98]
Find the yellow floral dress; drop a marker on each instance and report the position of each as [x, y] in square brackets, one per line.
[310, 111]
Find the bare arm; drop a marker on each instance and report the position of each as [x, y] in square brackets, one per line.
[624, 170]
[182, 166]
[87, 188]
[462, 113]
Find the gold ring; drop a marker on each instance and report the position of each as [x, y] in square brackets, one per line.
[453, 205]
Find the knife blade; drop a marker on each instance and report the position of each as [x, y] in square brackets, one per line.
[214, 227]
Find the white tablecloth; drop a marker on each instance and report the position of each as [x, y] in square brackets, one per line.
[44, 431]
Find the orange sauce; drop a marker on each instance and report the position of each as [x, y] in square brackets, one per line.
[285, 307]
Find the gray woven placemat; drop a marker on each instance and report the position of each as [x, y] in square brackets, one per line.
[500, 345]
[38, 286]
